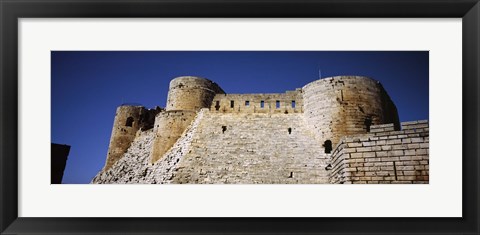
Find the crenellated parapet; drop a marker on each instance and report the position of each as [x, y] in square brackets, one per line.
[288, 102]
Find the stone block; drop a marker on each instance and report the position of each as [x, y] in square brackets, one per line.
[381, 142]
[386, 147]
[409, 152]
[396, 153]
[421, 151]
[356, 155]
[368, 154]
[383, 154]
[399, 146]
[417, 140]
[413, 146]
[364, 149]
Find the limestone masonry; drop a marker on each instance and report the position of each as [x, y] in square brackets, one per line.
[338, 130]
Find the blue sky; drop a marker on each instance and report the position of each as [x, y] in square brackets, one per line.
[88, 86]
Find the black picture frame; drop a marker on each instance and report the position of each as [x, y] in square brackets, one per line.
[12, 10]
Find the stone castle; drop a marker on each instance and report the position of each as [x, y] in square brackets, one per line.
[339, 130]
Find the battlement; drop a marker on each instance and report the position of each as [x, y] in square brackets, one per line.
[288, 102]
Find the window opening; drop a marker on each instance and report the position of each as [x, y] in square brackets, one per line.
[129, 121]
[289, 130]
[293, 103]
[262, 104]
[224, 128]
[368, 123]
[247, 103]
[277, 104]
[395, 170]
[231, 103]
[217, 105]
[328, 146]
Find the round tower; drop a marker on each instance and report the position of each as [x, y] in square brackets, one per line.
[186, 96]
[169, 127]
[125, 126]
[345, 105]
[191, 93]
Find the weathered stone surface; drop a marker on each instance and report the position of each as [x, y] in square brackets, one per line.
[253, 148]
[128, 120]
[169, 126]
[135, 167]
[342, 129]
[344, 105]
[393, 162]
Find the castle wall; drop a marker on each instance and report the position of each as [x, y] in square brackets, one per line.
[191, 93]
[248, 143]
[289, 102]
[342, 105]
[244, 148]
[169, 126]
[383, 156]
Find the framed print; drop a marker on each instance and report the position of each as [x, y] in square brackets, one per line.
[279, 117]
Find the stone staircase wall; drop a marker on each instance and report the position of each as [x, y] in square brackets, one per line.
[253, 148]
[223, 148]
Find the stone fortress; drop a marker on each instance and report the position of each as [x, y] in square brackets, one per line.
[338, 130]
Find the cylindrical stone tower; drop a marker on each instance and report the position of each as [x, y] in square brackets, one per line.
[125, 127]
[345, 105]
[191, 93]
[186, 96]
[169, 127]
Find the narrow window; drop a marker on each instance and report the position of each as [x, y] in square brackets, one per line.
[232, 103]
[368, 123]
[129, 121]
[289, 130]
[293, 103]
[247, 103]
[328, 146]
[395, 170]
[277, 104]
[262, 104]
[224, 128]
[217, 105]
[291, 175]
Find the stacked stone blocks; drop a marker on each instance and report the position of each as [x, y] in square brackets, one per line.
[206, 136]
[383, 156]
